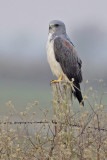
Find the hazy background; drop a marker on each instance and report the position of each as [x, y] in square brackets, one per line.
[24, 72]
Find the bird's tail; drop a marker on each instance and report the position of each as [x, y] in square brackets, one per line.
[77, 92]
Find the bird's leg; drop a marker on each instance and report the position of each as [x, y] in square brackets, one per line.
[56, 81]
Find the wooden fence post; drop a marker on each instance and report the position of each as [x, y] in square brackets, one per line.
[62, 98]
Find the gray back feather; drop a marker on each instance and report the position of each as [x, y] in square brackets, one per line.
[69, 62]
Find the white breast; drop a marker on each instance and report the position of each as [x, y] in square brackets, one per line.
[54, 65]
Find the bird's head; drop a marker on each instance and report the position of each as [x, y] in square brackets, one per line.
[57, 27]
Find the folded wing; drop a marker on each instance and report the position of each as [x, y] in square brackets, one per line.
[66, 55]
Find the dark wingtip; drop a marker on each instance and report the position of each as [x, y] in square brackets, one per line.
[82, 103]
[77, 93]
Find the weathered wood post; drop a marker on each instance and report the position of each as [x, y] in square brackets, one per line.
[62, 100]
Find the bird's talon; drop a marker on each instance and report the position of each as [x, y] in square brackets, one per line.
[55, 81]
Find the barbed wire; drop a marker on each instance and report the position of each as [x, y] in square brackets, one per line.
[49, 122]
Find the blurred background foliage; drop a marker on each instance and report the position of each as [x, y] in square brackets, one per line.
[24, 71]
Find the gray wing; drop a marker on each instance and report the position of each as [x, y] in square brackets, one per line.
[68, 59]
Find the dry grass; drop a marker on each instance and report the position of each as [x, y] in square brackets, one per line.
[69, 135]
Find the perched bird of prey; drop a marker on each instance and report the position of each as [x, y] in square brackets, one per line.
[62, 57]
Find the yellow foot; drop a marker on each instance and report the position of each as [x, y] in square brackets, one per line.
[56, 81]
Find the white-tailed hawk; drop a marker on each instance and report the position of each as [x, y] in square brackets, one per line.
[62, 57]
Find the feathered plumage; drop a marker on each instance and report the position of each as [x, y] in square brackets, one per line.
[62, 56]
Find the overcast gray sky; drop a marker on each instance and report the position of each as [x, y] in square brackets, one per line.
[34, 15]
[24, 28]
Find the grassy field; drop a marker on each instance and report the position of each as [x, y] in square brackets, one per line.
[65, 132]
[23, 94]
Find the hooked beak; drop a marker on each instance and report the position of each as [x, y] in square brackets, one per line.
[51, 26]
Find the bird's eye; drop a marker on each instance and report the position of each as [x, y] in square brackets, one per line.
[56, 25]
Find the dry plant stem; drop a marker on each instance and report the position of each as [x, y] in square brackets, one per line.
[69, 135]
[57, 126]
[61, 101]
[99, 130]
